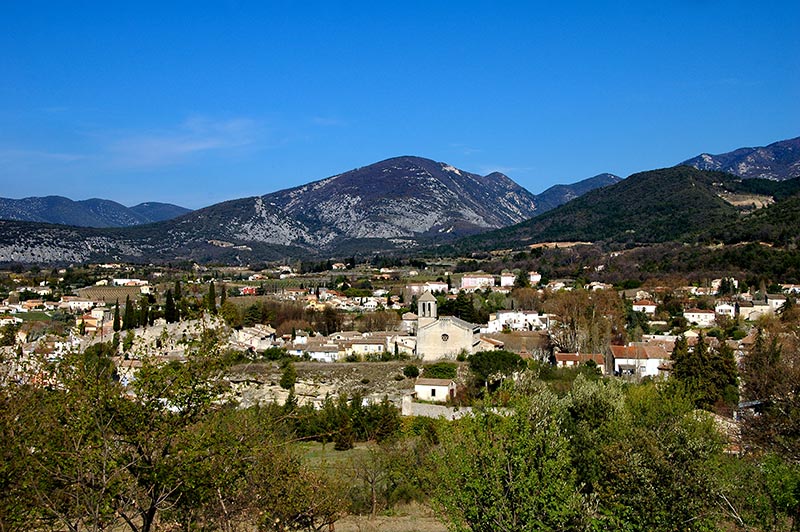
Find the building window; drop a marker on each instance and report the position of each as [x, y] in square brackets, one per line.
[445, 337]
[433, 392]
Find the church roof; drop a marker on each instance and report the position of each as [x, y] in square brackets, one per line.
[427, 296]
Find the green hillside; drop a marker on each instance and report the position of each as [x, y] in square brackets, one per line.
[671, 204]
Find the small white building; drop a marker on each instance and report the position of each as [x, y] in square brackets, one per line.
[477, 281]
[639, 361]
[776, 301]
[646, 306]
[365, 346]
[438, 390]
[323, 353]
[507, 279]
[723, 308]
[534, 278]
[701, 318]
[516, 320]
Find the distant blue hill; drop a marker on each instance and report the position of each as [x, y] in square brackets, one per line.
[86, 213]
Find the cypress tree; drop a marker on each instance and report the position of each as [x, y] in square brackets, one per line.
[170, 312]
[129, 317]
[117, 325]
[212, 298]
[178, 290]
[223, 294]
[144, 311]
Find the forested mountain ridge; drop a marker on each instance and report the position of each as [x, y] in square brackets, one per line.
[678, 204]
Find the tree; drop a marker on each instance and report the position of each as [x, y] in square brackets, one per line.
[143, 316]
[411, 371]
[129, 317]
[510, 471]
[586, 321]
[223, 295]
[710, 373]
[87, 456]
[658, 464]
[522, 280]
[170, 311]
[231, 313]
[440, 370]
[127, 342]
[771, 374]
[8, 334]
[288, 377]
[117, 325]
[178, 295]
[211, 298]
[494, 366]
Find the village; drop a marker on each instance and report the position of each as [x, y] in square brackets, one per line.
[362, 314]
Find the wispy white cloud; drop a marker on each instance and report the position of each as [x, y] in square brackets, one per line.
[168, 146]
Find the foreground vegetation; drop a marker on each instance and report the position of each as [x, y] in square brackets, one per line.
[562, 450]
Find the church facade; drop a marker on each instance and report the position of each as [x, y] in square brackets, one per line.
[443, 337]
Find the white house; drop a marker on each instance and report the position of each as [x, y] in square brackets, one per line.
[507, 279]
[438, 390]
[323, 353]
[776, 301]
[366, 346]
[640, 361]
[415, 289]
[477, 281]
[9, 320]
[723, 308]
[76, 304]
[702, 318]
[516, 320]
[259, 337]
[534, 278]
[646, 306]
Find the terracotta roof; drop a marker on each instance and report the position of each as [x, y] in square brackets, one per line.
[639, 352]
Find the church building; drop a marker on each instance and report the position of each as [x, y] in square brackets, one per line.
[445, 336]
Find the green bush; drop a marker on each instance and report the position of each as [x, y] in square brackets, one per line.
[441, 370]
[411, 371]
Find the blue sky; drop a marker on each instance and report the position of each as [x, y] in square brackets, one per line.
[198, 102]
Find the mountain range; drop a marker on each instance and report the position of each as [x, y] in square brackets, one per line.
[398, 203]
[410, 203]
[86, 213]
[678, 204]
[777, 161]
